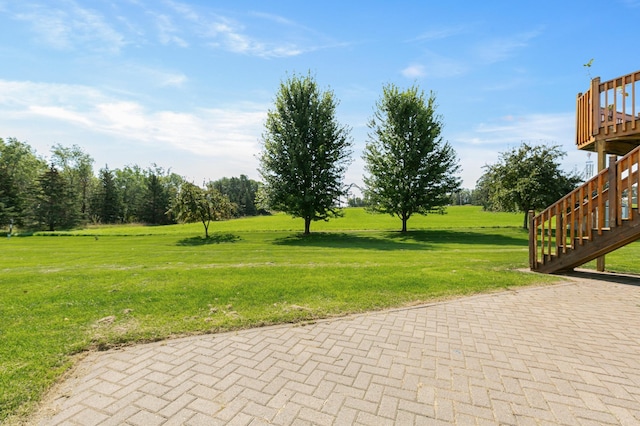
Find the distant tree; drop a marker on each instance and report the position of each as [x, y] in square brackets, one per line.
[241, 191]
[527, 178]
[411, 169]
[131, 184]
[106, 203]
[20, 168]
[195, 204]
[481, 193]
[461, 197]
[161, 188]
[55, 203]
[356, 202]
[76, 167]
[6, 197]
[305, 152]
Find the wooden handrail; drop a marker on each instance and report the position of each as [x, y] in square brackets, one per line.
[601, 203]
[608, 110]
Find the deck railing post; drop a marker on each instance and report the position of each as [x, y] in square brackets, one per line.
[614, 191]
[533, 239]
[595, 106]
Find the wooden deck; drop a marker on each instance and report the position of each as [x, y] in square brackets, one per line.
[603, 214]
[608, 116]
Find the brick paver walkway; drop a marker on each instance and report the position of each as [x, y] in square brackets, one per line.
[565, 354]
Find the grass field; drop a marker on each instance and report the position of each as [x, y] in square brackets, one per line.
[68, 292]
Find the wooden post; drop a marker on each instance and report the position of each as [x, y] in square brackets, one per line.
[533, 240]
[614, 192]
[602, 164]
[595, 106]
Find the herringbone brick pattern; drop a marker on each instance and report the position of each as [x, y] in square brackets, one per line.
[567, 354]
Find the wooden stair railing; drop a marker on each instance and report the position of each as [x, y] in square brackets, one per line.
[598, 217]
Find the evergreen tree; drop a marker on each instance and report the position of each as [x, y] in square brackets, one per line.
[157, 201]
[55, 203]
[106, 204]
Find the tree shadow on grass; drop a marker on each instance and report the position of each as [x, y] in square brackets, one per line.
[216, 238]
[344, 240]
[451, 236]
[412, 240]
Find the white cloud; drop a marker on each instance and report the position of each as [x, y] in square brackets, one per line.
[225, 135]
[414, 71]
[60, 114]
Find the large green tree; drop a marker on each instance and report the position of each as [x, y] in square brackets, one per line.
[526, 178]
[411, 170]
[194, 204]
[305, 152]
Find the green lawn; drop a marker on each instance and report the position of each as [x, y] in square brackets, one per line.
[154, 282]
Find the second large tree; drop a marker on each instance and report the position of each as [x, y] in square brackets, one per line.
[411, 169]
[305, 152]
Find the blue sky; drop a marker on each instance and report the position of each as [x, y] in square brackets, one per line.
[187, 84]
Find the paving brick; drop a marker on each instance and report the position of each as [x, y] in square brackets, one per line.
[145, 418]
[550, 355]
[180, 403]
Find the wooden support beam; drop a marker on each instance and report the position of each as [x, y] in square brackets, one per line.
[533, 240]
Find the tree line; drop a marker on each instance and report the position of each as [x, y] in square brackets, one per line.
[64, 191]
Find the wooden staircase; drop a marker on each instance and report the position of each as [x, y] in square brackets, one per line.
[600, 216]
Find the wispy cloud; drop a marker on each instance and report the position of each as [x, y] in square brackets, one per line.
[631, 3]
[457, 62]
[225, 33]
[440, 33]
[500, 49]
[482, 144]
[167, 31]
[433, 65]
[71, 27]
[513, 129]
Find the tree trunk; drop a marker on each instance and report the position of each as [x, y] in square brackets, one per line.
[307, 225]
[206, 229]
[404, 224]
[525, 225]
